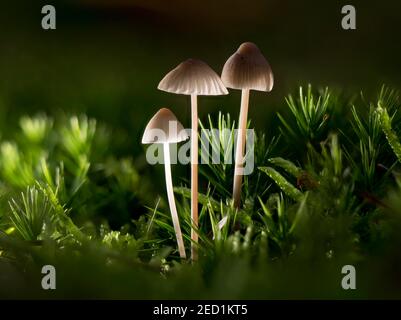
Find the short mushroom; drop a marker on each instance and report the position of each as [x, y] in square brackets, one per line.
[193, 77]
[247, 69]
[164, 128]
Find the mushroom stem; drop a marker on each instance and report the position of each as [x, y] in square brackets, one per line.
[194, 177]
[240, 148]
[171, 201]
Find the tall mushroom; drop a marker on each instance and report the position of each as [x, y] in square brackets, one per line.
[193, 77]
[164, 128]
[247, 69]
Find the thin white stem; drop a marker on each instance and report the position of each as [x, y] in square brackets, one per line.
[171, 200]
[194, 177]
[240, 148]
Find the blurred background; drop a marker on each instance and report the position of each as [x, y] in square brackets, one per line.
[107, 57]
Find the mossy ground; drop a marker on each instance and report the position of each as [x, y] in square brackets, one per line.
[325, 193]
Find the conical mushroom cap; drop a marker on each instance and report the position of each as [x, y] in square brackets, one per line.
[247, 69]
[164, 128]
[193, 77]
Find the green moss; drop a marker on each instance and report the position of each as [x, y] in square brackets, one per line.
[324, 195]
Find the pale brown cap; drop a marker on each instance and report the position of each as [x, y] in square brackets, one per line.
[164, 128]
[247, 69]
[193, 77]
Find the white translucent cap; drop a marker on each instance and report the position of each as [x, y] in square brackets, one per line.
[193, 77]
[247, 69]
[164, 128]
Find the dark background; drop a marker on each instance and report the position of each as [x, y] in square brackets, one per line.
[107, 57]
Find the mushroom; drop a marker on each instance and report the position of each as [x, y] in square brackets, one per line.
[164, 128]
[193, 77]
[247, 69]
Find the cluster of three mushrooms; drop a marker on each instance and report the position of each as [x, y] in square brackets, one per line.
[246, 70]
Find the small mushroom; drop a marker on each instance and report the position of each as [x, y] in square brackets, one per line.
[193, 77]
[247, 69]
[160, 130]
